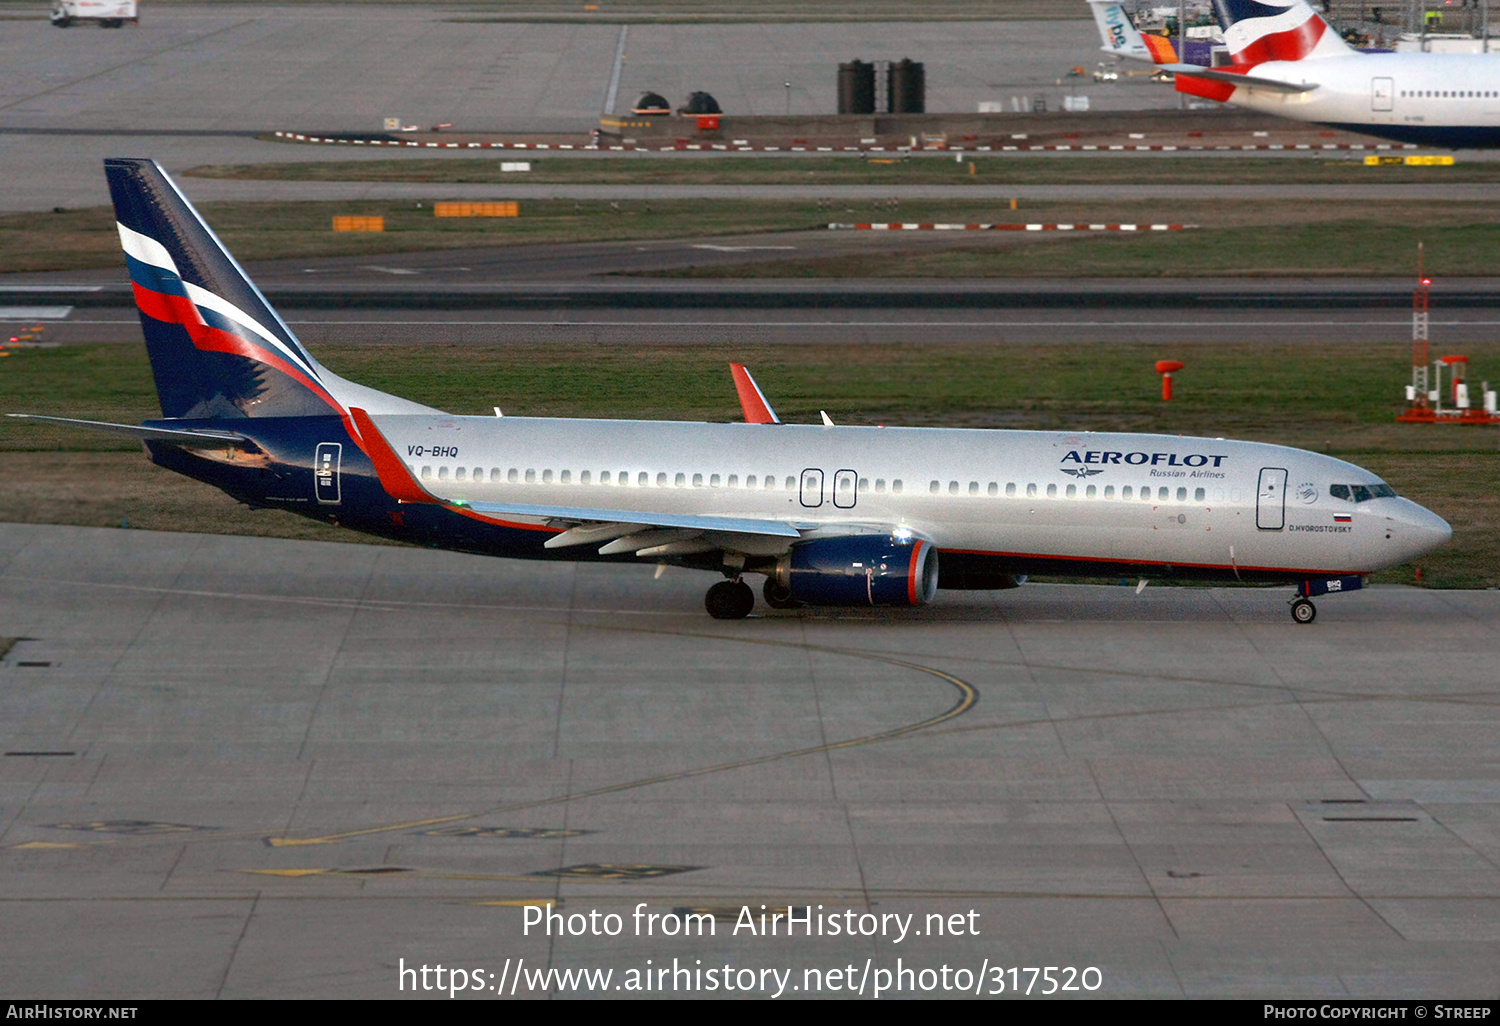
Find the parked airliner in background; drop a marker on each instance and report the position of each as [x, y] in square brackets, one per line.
[1284, 59]
[830, 515]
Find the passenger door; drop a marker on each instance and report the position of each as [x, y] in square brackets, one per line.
[326, 472]
[1270, 499]
[1382, 94]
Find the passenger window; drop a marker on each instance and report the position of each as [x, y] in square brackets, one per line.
[1092, 491]
[512, 475]
[993, 489]
[864, 484]
[896, 486]
[791, 483]
[1182, 495]
[1109, 492]
[426, 473]
[1162, 493]
[442, 473]
[1127, 492]
[547, 476]
[750, 481]
[1010, 488]
[952, 487]
[530, 475]
[1072, 491]
[583, 478]
[460, 474]
[1199, 495]
[697, 480]
[1031, 491]
[935, 487]
[661, 479]
[567, 477]
[604, 477]
[713, 482]
[1052, 491]
[734, 480]
[1146, 494]
[880, 484]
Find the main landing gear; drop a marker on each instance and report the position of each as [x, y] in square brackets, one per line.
[1304, 611]
[729, 600]
[778, 595]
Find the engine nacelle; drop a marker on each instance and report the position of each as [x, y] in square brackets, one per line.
[860, 570]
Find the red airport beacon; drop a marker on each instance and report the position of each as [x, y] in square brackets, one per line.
[1166, 368]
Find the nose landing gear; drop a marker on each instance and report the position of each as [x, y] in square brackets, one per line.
[729, 600]
[1303, 611]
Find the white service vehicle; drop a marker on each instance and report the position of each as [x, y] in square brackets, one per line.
[108, 13]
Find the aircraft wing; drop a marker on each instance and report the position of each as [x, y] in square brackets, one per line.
[634, 518]
[1234, 78]
[200, 439]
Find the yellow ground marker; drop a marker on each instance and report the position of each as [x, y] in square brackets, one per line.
[510, 209]
[359, 224]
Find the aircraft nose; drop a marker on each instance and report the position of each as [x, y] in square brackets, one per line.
[1418, 529]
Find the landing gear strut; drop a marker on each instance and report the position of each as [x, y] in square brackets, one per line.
[1303, 611]
[729, 600]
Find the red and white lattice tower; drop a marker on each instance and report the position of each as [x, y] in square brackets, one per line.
[1419, 300]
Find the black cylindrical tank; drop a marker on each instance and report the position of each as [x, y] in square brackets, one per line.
[906, 87]
[857, 88]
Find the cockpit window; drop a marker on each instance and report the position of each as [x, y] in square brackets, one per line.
[1361, 493]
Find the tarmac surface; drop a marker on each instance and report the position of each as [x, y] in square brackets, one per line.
[251, 768]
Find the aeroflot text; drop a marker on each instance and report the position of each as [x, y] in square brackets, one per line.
[1135, 459]
[781, 921]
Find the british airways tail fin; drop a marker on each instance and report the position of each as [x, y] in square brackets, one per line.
[1276, 30]
[217, 348]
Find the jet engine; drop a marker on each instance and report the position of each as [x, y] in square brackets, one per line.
[860, 570]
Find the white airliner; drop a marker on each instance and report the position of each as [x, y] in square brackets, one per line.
[1284, 59]
[830, 515]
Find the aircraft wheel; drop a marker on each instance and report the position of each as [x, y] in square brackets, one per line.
[777, 595]
[111, 23]
[729, 600]
[1304, 611]
[63, 22]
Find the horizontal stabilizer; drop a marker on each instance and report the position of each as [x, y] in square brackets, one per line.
[180, 436]
[694, 521]
[1232, 78]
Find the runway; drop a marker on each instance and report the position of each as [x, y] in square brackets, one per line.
[278, 769]
[595, 292]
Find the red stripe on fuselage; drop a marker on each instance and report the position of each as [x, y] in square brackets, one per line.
[1290, 571]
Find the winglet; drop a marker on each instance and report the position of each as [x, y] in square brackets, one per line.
[395, 478]
[752, 399]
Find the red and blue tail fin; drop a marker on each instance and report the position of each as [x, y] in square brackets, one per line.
[217, 348]
[1275, 30]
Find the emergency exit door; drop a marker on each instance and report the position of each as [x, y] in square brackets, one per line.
[1270, 500]
[1382, 93]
